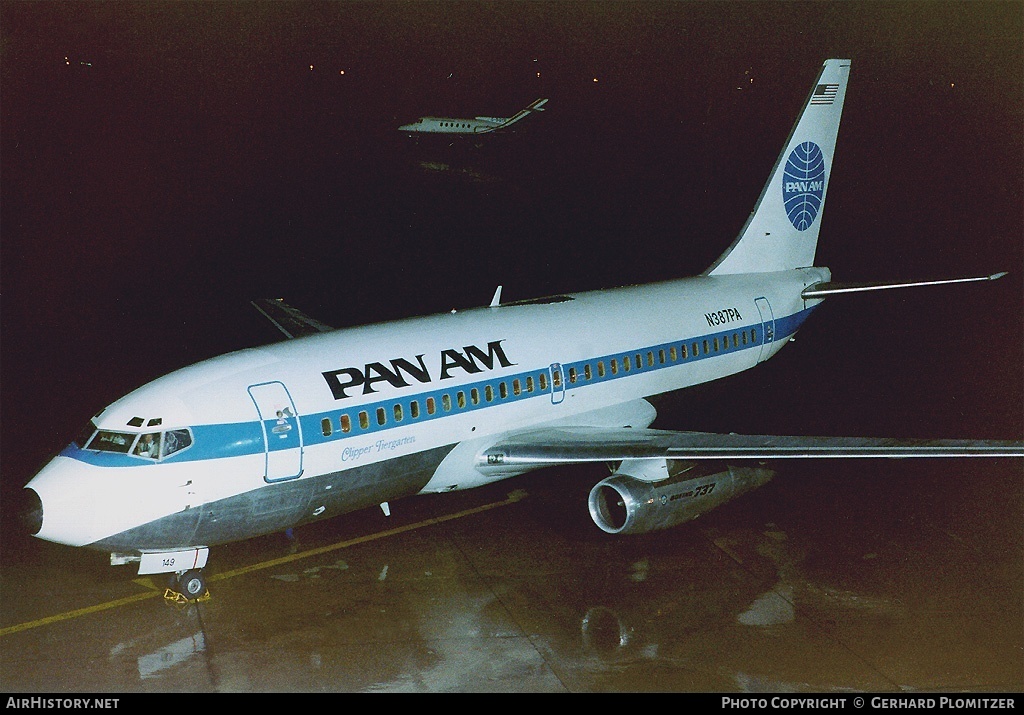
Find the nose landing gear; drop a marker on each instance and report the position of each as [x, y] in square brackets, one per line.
[187, 586]
[187, 582]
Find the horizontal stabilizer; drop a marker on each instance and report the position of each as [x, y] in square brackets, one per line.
[821, 290]
[569, 445]
[290, 321]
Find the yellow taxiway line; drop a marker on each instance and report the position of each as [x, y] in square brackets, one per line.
[77, 613]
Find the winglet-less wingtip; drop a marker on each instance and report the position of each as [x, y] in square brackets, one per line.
[289, 320]
[821, 290]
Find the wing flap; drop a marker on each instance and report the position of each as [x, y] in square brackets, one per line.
[567, 445]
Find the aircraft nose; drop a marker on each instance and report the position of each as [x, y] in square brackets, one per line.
[30, 511]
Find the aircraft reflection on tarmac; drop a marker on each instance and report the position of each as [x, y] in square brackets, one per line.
[682, 624]
[152, 664]
[465, 172]
[721, 608]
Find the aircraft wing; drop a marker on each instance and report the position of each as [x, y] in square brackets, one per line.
[568, 445]
[290, 321]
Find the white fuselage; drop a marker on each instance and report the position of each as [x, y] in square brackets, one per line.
[451, 125]
[411, 401]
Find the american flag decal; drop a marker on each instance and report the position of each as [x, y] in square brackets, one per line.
[824, 94]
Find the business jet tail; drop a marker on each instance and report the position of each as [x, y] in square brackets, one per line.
[537, 106]
[782, 231]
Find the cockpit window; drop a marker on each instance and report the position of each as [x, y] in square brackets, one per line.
[151, 445]
[176, 440]
[106, 441]
[148, 446]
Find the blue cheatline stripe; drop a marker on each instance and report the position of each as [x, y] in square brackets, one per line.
[244, 438]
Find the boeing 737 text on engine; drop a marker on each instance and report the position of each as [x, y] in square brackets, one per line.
[265, 439]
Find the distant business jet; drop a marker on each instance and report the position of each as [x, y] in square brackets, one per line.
[477, 125]
[261, 440]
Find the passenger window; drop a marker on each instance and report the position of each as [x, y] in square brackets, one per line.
[431, 406]
[556, 378]
[382, 416]
[489, 393]
[543, 377]
[446, 402]
[529, 383]
[325, 426]
[148, 446]
[460, 398]
[650, 359]
[600, 368]
[695, 349]
[346, 423]
[587, 372]
[753, 335]
[572, 375]
[364, 420]
[615, 366]
[672, 353]
[398, 412]
[715, 342]
[683, 350]
[735, 341]
[661, 357]
[414, 409]
[744, 334]
[516, 387]
[502, 390]
[474, 396]
[626, 365]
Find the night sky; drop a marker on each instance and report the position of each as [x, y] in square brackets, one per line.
[162, 164]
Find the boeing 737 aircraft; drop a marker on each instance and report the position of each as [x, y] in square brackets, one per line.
[476, 125]
[331, 421]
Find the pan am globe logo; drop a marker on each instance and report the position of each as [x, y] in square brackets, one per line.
[803, 184]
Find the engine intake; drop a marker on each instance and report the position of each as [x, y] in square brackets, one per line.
[624, 504]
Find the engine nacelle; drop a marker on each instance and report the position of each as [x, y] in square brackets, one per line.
[623, 504]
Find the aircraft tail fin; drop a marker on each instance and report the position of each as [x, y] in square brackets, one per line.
[537, 106]
[782, 231]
